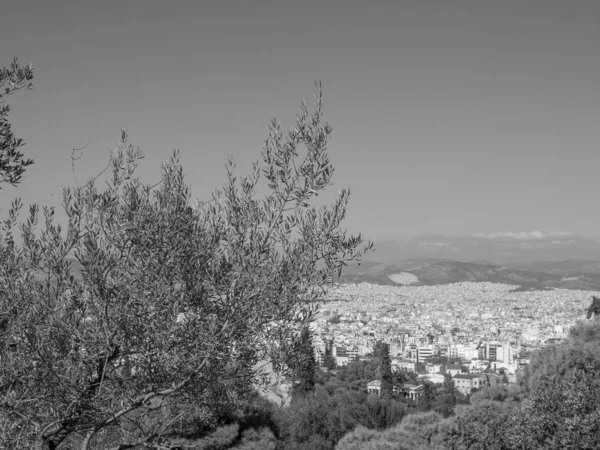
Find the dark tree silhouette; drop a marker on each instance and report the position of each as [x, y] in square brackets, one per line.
[305, 371]
[378, 349]
[594, 309]
[385, 370]
[329, 360]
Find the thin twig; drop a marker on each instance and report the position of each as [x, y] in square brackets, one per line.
[76, 158]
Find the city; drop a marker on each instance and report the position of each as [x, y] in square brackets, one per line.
[484, 325]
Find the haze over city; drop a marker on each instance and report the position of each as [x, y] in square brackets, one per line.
[454, 118]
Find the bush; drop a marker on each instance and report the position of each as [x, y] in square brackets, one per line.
[421, 431]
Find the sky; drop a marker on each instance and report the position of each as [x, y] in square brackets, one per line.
[450, 117]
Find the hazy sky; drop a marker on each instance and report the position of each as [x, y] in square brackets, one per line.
[448, 116]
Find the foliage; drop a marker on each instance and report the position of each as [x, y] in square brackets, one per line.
[304, 371]
[429, 396]
[421, 431]
[328, 360]
[180, 306]
[501, 393]
[319, 421]
[257, 439]
[323, 376]
[581, 350]
[335, 319]
[561, 413]
[12, 161]
[385, 373]
[561, 410]
[420, 367]
[444, 360]
[479, 426]
[594, 309]
[252, 426]
[358, 373]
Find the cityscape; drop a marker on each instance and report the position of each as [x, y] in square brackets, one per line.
[487, 326]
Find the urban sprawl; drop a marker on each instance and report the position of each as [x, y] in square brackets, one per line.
[486, 326]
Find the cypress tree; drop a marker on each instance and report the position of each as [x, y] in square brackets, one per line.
[385, 370]
[305, 371]
[329, 360]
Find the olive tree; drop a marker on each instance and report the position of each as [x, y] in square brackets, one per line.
[562, 412]
[12, 162]
[180, 305]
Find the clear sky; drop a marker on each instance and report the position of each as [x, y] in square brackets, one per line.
[448, 116]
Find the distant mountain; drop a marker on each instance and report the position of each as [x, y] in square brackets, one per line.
[444, 271]
[565, 268]
[497, 248]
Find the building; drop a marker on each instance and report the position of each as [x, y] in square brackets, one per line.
[492, 352]
[453, 369]
[424, 353]
[374, 387]
[404, 364]
[436, 378]
[319, 357]
[341, 361]
[495, 351]
[505, 354]
[470, 353]
[478, 366]
[465, 383]
[341, 357]
[482, 352]
[411, 391]
[456, 351]
[353, 353]
[433, 368]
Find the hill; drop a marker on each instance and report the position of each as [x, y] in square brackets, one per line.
[565, 268]
[444, 271]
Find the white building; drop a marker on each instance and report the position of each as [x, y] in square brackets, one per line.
[505, 354]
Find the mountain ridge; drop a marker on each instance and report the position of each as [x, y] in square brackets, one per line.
[440, 271]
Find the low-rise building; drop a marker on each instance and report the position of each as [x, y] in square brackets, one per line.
[453, 369]
[374, 387]
[404, 364]
[467, 382]
[433, 368]
[436, 378]
[411, 391]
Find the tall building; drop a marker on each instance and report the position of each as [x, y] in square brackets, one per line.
[492, 353]
[505, 353]
[424, 353]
